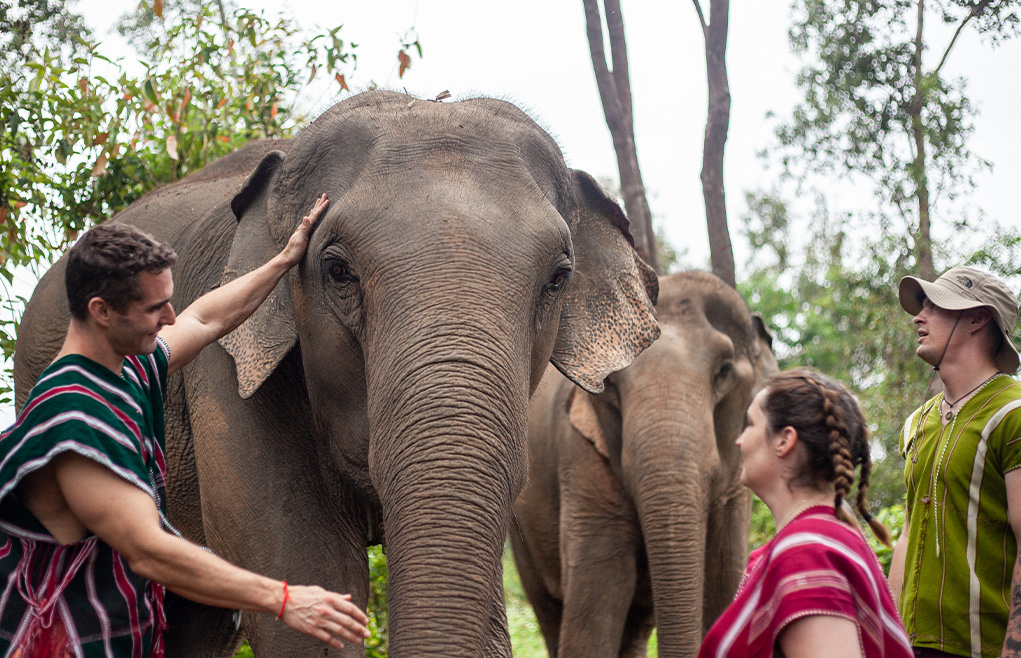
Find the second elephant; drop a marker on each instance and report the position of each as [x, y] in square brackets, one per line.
[634, 515]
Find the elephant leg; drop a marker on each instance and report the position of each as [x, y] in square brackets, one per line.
[599, 585]
[726, 550]
[199, 631]
[549, 611]
[269, 502]
[270, 639]
[193, 630]
[599, 545]
[184, 501]
[641, 621]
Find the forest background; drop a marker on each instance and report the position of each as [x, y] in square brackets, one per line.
[868, 139]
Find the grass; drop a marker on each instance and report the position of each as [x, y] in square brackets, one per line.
[526, 640]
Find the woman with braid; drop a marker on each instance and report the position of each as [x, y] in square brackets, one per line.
[816, 589]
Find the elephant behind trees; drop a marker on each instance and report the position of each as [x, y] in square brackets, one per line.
[381, 393]
[634, 514]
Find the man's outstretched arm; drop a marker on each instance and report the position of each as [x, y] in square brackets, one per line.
[125, 517]
[220, 311]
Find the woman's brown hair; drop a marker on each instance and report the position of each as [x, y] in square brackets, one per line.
[832, 428]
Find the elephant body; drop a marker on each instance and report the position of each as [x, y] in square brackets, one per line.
[380, 394]
[634, 515]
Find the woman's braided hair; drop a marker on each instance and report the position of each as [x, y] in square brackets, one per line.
[833, 430]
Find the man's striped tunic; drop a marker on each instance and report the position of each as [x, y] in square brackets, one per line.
[80, 406]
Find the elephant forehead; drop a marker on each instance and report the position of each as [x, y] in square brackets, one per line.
[699, 297]
[392, 136]
[462, 211]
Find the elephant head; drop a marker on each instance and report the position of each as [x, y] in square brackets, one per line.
[639, 487]
[459, 256]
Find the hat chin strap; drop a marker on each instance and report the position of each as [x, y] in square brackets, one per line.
[935, 368]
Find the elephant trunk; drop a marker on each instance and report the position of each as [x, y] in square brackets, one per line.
[447, 459]
[669, 461]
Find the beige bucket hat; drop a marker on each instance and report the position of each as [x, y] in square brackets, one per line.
[961, 288]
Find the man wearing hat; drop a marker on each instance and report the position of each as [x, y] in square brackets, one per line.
[955, 569]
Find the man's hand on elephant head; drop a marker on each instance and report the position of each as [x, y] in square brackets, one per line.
[294, 251]
[326, 616]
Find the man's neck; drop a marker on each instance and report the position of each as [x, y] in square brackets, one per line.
[86, 341]
[960, 376]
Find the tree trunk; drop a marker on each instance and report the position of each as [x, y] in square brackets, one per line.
[615, 94]
[717, 123]
[923, 240]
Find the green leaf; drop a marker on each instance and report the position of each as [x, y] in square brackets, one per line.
[149, 89]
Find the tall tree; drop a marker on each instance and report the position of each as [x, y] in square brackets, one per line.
[873, 109]
[615, 93]
[721, 251]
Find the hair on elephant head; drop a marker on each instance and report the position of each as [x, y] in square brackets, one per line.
[382, 390]
[636, 491]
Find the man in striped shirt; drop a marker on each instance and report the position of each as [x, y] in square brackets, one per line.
[85, 551]
[955, 569]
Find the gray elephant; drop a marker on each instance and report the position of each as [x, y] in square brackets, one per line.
[381, 393]
[634, 514]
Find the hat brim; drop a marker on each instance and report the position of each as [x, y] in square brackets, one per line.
[913, 290]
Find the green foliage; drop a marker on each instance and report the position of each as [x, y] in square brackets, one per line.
[893, 518]
[378, 608]
[25, 23]
[762, 527]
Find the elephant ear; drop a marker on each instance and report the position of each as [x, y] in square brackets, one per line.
[761, 330]
[265, 338]
[585, 420]
[607, 317]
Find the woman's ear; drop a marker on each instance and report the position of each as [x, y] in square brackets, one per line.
[786, 441]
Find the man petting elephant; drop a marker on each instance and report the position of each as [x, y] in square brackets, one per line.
[82, 471]
[634, 514]
[380, 394]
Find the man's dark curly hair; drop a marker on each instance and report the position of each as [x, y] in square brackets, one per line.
[104, 263]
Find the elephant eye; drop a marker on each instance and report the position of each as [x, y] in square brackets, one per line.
[557, 281]
[340, 272]
[724, 372]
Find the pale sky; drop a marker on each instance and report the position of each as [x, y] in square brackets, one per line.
[535, 53]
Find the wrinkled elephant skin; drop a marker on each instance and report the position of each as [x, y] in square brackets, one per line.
[634, 514]
[381, 392]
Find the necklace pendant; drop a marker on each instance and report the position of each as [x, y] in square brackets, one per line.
[950, 414]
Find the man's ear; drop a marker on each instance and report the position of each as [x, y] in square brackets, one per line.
[100, 311]
[980, 317]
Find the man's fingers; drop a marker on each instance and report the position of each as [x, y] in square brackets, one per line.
[354, 621]
[324, 636]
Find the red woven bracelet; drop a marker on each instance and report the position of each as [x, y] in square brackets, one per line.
[287, 597]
